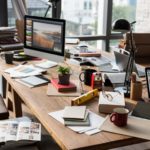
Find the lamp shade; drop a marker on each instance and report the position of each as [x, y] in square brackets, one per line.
[121, 25]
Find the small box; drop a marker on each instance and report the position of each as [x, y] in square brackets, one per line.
[110, 100]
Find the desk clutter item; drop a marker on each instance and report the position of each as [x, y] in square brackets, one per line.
[110, 100]
[136, 88]
[136, 127]
[85, 97]
[96, 122]
[52, 91]
[76, 116]
[45, 64]
[96, 81]
[33, 81]
[19, 131]
[63, 88]
[142, 110]
[24, 71]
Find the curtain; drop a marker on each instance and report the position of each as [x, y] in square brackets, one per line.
[19, 8]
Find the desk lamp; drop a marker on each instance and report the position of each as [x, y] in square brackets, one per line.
[123, 26]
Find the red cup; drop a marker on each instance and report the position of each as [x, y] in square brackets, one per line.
[119, 117]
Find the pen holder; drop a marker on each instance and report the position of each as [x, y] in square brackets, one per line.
[136, 90]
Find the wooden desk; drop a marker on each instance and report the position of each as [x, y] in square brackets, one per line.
[40, 104]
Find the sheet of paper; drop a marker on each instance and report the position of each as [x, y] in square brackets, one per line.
[115, 77]
[23, 71]
[136, 127]
[95, 121]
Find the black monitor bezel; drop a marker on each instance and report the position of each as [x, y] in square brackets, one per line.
[46, 19]
[147, 81]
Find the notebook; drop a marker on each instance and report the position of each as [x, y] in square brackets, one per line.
[74, 112]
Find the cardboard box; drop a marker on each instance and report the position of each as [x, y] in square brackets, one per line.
[110, 100]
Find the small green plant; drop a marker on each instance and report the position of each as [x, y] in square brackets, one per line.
[63, 70]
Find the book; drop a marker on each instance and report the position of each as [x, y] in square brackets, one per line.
[63, 88]
[52, 91]
[74, 112]
[142, 110]
[77, 123]
[19, 131]
[35, 80]
[110, 100]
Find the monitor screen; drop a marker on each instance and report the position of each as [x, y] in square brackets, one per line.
[44, 37]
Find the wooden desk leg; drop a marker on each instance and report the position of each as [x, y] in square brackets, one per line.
[13, 101]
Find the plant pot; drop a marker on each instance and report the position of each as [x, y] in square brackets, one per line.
[64, 79]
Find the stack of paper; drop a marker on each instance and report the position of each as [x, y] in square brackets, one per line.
[76, 116]
[96, 122]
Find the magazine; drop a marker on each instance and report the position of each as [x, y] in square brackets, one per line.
[16, 131]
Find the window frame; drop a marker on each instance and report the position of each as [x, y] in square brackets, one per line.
[107, 23]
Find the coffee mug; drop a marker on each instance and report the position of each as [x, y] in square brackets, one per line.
[86, 76]
[119, 116]
[8, 56]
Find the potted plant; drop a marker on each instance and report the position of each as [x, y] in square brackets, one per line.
[64, 75]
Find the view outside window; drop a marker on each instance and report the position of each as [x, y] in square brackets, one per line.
[133, 10]
[35, 8]
[84, 17]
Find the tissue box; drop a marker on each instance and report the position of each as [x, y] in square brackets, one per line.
[110, 100]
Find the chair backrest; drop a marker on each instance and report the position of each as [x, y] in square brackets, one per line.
[142, 42]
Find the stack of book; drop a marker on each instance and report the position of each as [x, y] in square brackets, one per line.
[76, 116]
[9, 39]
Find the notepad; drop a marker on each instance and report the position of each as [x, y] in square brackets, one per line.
[74, 112]
[34, 80]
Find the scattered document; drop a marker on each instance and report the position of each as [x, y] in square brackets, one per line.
[96, 121]
[33, 81]
[46, 64]
[115, 77]
[24, 71]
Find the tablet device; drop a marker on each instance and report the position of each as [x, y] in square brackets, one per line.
[147, 72]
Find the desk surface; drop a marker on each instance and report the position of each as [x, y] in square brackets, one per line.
[41, 104]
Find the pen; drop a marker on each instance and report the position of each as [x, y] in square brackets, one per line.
[25, 62]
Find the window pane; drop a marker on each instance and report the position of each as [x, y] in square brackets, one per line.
[38, 8]
[133, 10]
[35, 8]
[84, 17]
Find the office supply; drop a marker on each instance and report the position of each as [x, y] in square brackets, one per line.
[122, 61]
[142, 110]
[96, 121]
[63, 88]
[135, 86]
[48, 38]
[115, 78]
[52, 91]
[8, 56]
[147, 72]
[23, 71]
[85, 97]
[96, 81]
[74, 112]
[78, 122]
[94, 54]
[45, 64]
[35, 80]
[72, 40]
[110, 100]
[136, 127]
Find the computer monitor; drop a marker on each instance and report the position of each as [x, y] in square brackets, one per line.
[44, 37]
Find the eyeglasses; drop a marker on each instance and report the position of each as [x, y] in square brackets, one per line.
[108, 96]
